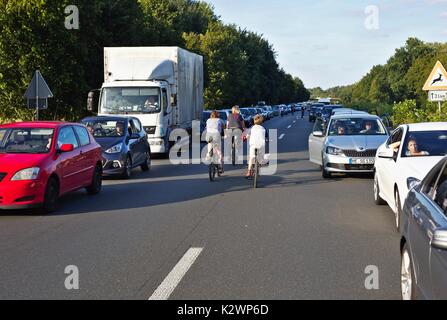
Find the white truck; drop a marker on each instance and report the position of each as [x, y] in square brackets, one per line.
[161, 86]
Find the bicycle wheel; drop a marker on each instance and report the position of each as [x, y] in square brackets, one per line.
[212, 171]
[233, 153]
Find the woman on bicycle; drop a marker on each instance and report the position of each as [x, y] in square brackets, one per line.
[214, 130]
[256, 139]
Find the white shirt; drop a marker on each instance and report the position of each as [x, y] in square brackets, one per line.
[214, 126]
[257, 136]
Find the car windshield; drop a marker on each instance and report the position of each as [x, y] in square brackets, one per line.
[223, 115]
[26, 140]
[425, 143]
[106, 128]
[130, 101]
[356, 127]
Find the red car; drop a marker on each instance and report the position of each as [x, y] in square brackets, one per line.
[40, 161]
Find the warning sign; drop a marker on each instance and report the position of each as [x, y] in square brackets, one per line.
[437, 81]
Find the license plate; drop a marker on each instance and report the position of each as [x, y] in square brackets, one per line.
[362, 161]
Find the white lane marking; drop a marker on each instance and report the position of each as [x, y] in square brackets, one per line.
[281, 136]
[294, 121]
[172, 280]
[289, 127]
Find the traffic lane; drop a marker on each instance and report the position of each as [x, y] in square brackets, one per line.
[303, 238]
[119, 240]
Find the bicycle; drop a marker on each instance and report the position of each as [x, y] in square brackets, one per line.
[213, 168]
[256, 170]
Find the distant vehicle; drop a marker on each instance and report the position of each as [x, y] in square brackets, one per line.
[314, 109]
[124, 144]
[276, 110]
[247, 116]
[41, 161]
[346, 145]
[394, 166]
[327, 111]
[423, 243]
[161, 86]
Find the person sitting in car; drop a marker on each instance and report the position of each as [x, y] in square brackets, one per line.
[368, 128]
[341, 131]
[413, 151]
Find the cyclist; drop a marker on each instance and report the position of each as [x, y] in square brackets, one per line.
[236, 124]
[214, 129]
[257, 138]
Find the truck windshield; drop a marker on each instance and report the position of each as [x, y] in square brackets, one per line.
[131, 100]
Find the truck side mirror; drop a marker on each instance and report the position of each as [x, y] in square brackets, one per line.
[90, 97]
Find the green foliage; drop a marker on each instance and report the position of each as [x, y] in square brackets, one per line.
[399, 80]
[240, 66]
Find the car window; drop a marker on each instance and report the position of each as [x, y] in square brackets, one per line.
[137, 125]
[84, 137]
[440, 196]
[320, 125]
[425, 143]
[26, 140]
[67, 136]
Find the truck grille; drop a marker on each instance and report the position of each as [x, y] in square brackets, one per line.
[371, 153]
[2, 176]
[150, 130]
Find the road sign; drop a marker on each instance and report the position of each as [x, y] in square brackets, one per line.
[437, 81]
[38, 93]
[437, 96]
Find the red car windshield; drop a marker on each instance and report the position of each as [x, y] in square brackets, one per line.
[26, 140]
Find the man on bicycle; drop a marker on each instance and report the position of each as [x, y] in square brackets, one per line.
[257, 138]
[236, 125]
[214, 129]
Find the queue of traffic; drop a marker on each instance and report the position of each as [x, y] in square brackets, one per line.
[409, 165]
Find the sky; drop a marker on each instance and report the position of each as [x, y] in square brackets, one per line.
[336, 42]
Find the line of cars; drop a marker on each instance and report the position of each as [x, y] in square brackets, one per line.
[409, 165]
[41, 161]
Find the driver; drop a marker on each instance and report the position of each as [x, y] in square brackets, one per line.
[368, 128]
[119, 129]
[413, 151]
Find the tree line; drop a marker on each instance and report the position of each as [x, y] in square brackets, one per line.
[396, 87]
[240, 66]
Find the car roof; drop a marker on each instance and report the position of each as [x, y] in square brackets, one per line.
[427, 126]
[37, 124]
[363, 115]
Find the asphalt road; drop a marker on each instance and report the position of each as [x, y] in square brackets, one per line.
[296, 237]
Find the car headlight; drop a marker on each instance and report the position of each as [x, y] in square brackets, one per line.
[115, 149]
[334, 151]
[26, 174]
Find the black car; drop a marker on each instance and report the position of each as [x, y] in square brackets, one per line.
[124, 144]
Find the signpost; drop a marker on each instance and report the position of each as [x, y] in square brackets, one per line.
[38, 93]
[436, 85]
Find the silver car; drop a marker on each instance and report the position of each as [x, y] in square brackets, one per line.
[423, 241]
[347, 143]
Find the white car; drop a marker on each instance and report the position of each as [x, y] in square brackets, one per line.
[412, 150]
[348, 144]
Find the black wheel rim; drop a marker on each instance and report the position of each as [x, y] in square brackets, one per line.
[98, 180]
[51, 195]
[128, 168]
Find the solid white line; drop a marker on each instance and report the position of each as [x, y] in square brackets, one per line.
[172, 280]
[281, 136]
[294, 121]
[289, 127]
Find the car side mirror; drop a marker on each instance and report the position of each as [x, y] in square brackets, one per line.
[439, 240]
[66, 148]
[318, 134]
[412, 182]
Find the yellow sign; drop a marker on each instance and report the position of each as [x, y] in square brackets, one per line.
[437, 79]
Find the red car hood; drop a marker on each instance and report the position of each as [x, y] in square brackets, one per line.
[13, 162]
